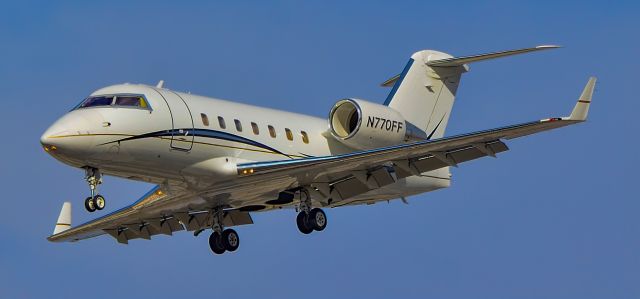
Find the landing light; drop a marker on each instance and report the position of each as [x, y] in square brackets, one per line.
[48, 148]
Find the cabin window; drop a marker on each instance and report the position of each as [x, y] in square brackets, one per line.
[238, 125]
[289, 134]
[305, 137]
[272, 131]
[221, 122]
[205, 119]
[131, 101]
[255, 128]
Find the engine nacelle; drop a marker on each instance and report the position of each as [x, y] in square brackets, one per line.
[364, 125]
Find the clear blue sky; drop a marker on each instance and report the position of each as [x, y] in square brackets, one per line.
[555, 217]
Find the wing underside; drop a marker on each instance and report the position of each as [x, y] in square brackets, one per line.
[147, 217]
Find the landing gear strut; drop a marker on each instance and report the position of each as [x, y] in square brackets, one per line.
[221, 239]
[95, 201]
[309, 219]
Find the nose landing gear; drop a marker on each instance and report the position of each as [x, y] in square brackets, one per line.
[95, 201]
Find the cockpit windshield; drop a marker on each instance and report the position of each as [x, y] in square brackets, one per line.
[96, 101]
[133, 101]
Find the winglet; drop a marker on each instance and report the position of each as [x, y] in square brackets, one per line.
[581, 110]
[64, 220]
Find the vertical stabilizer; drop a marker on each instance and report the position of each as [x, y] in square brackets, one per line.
[64, 220]
[424, 95]
[425, 90]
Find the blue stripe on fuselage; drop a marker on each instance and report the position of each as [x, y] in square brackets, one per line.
[203, 133]
[232, 137]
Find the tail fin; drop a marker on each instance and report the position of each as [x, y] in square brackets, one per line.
[425, 90]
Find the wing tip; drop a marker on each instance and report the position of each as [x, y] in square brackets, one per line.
[581, 109]
[548, 47]
[55, 238]
[64, 219]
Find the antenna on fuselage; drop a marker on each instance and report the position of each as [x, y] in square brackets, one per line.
[160, 84]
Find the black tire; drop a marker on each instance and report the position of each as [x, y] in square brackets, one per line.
[99, 202]
[317, 219]
[230, 240]
[89, 204]
[215, 243]
[303, 225]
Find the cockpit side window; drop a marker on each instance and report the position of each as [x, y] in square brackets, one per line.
[96, 101]
[135, 101]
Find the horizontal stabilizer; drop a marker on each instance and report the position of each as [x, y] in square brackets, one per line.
[458, 61]
[390, 81]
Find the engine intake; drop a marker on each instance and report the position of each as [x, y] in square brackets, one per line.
[365, 125]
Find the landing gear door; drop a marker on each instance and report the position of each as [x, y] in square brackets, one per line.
[182, 120]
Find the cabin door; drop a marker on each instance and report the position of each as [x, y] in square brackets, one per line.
[182, 120]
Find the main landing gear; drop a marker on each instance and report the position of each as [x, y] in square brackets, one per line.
[95, 201]
[315, 219]
[310, 219]
[221, 239]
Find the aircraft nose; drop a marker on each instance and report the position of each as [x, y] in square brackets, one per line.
[46, 142]
[47, 136]
[52, 138]
[69, 137]
[55, 139]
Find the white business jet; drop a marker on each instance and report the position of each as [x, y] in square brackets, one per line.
[215, 162]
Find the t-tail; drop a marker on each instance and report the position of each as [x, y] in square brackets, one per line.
[425, 90]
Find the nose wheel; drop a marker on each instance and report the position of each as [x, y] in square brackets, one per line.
[95, 201]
